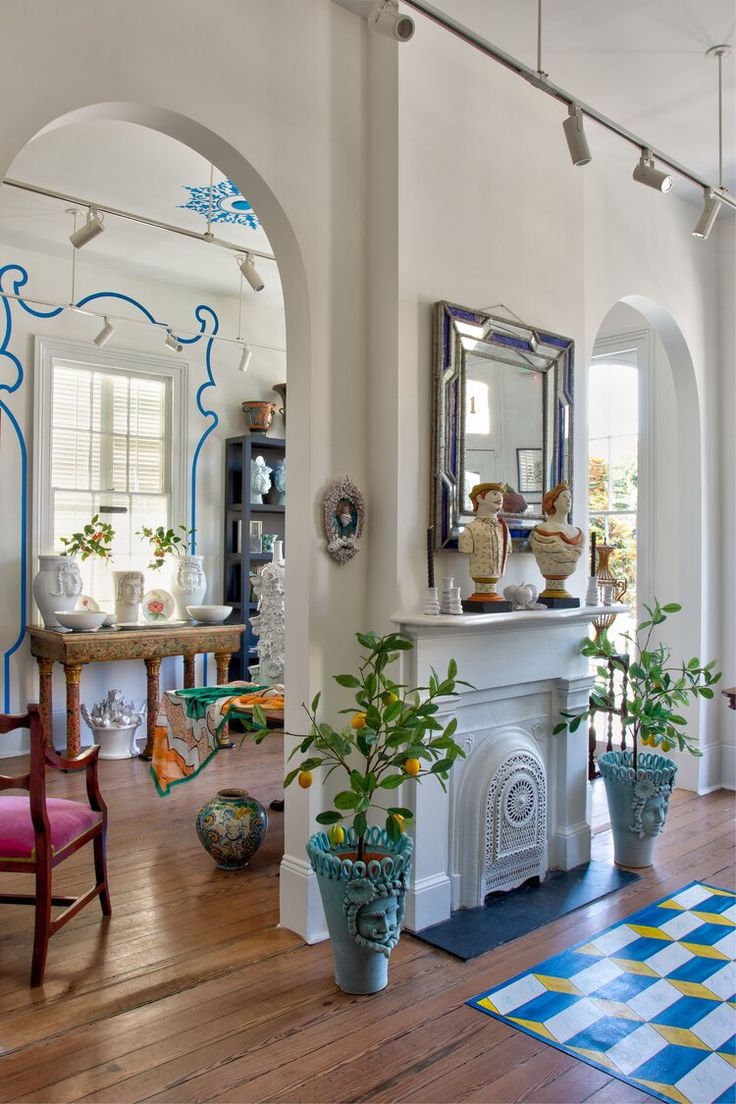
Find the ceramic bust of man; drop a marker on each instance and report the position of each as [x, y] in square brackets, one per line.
[260, 479]
[557, 547]
[488, 543]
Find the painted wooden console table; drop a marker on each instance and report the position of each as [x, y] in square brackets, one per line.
[75, 649]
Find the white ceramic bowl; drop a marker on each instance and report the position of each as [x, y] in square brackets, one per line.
[211, 615]
[80, 620]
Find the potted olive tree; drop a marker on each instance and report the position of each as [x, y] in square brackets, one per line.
[362, 861]
[647, 692]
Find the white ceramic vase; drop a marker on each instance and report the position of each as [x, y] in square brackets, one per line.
[57, 586]
[188, 584]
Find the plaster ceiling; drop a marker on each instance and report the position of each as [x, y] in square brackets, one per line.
[643, 65]
[135, 169]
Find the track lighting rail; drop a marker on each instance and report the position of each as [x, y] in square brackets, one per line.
[539, 80]
[209, 238]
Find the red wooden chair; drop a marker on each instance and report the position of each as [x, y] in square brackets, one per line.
[38, 832]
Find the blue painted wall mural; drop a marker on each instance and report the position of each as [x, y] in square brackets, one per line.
[228, 205]
[16, 277]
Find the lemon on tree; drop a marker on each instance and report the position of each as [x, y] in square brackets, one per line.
[392, 737]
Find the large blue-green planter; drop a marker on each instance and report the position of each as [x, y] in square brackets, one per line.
[638, 804]
[363, 902]
[231, 827]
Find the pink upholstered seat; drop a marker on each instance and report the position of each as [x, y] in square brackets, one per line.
[67, 819]
[37, 833]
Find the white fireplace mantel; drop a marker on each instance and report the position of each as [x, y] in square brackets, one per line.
[524, 668]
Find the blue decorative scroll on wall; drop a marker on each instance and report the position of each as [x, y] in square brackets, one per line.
[221, 203]
[17, 276]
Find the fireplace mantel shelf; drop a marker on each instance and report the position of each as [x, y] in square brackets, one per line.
[503, 622]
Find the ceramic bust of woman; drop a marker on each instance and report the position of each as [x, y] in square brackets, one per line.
[557, 547]
[260, 479]
[488, 543]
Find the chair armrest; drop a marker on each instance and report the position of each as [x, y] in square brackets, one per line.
[80, 762]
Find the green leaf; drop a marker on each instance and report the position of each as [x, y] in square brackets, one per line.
[347, 680]
[706, 692]
[391, 781]
[392, 828]
[346, 799]
[291, 776]
[360, 824]
[672, 607]
[329, 817]
[407, 814]
[442, 765]
[359, 782]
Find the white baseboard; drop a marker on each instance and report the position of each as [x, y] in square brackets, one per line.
[570, 847]
[428, 902]
[300, 902]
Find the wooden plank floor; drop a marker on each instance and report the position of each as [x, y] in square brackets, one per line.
[192, 993]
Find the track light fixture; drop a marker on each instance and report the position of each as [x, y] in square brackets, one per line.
[92, 227]
[172, 343]
[245, 358]
[248, 268]
[385, 19]
[709, 214]
[105, 334]
[577, 143]
[646, 173]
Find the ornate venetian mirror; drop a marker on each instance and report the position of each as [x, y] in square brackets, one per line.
[503, 405]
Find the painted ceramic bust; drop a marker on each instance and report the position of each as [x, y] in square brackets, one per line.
[556, 544]
[260, 479]
[486, 540]
[374, 911]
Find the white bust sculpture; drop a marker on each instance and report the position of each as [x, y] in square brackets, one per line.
[557, 546]
[260, 479]
[488, 543]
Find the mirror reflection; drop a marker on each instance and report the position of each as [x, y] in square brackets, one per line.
[502, 413]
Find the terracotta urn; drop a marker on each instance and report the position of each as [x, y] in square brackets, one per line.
[258, 415]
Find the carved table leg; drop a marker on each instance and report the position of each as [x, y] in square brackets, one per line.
[188, 671]
[222, 663]
[73, 740]
[45, 667]
[153, 697]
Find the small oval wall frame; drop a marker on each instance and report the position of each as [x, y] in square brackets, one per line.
[344, 518]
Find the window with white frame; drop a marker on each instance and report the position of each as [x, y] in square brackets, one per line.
[109, 432]
[617, 456]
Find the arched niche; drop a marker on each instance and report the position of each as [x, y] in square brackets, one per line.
[296, 912]
[677, 556]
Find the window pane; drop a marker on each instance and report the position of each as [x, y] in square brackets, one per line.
[70, 466]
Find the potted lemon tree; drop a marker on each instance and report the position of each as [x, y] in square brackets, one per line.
[647, 692]
[363, 859]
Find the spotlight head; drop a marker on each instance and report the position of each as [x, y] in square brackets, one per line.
[577, 143]
[645, 173]
[105, 334]
[709, 214]
[385, 19]
[92, 227]
[245, 358]
[248, 268]
[172, 343]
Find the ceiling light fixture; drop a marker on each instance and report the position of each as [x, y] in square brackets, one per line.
[708, 216]
[245, 358]
[105, 334]
[248, 268]
[577, 143]
[711, 202]
[385, 19]
[246, 354]
[646, 173]
[172, 343]
[92, 227]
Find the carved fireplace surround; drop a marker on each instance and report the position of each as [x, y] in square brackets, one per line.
[516, 806]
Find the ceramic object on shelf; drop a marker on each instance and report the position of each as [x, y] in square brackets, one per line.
[84, 602]
[231, 827]
[258, 415]
[260, 480]
[57, 586]
[209, 615]
[189, 584]
[158, 605]
[114, 723]
[128, 594]
[557, 547]
[279, 481]
[80, 620]
[280, 389]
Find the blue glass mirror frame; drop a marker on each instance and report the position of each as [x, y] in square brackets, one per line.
[461, 332]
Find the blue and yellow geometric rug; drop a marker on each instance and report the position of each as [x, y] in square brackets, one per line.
[650, 1000]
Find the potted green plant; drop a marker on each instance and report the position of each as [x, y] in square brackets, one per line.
[392, 739]
[188, 581]
[646, 690]
[57, 584]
